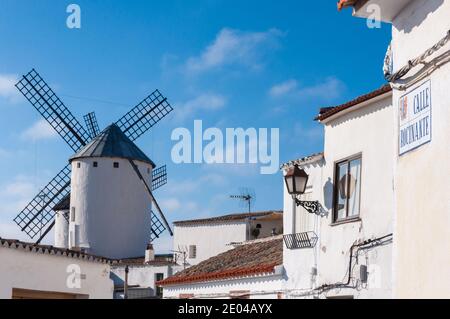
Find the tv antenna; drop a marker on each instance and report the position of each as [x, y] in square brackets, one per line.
[246, 197]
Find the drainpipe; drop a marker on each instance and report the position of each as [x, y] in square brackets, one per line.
[125, 288]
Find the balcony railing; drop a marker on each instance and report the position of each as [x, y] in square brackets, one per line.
[301, 240]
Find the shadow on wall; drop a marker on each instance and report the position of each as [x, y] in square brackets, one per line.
[328, 190]
[421, 13]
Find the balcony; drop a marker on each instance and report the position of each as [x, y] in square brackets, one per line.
[301, 240]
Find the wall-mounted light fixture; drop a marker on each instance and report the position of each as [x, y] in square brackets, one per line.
[296, 180]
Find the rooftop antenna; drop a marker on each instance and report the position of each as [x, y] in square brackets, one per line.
[246, 197]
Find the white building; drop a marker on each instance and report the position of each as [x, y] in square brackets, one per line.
[143, 273]
[29, 271]
[199, 239]
[251, 270]
[419, 72]
[352, 180]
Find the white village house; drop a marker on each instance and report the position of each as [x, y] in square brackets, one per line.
[418, 70]
[344, 249]
[197, 240]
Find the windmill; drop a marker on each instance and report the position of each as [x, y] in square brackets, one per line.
[38, 214]
[246, 197]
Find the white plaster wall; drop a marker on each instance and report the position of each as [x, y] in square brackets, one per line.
[33, 271]
[143, 276]
[422, 254]
[369, 131]
[112, 207]
[62, 229]
[260, 288]
[211, 239]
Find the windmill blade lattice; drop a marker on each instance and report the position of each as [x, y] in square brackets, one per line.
[38, 213]
[157, 227]
[159, 177]
[42, 97]
[145, 115]
[92, 125]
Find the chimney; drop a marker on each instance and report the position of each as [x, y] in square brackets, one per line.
[149, 254]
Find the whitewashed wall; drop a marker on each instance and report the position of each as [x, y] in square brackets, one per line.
[112, 207]
[41, 272]
[422, 254]
[211, 239]
[260, 287]
[369, 131]
[143, 276]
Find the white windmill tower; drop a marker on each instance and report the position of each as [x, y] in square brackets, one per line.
[104, 196]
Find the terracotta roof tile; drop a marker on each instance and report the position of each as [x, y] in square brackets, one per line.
[330, 111]
[46, 249]
[231, 217]
[259, 257]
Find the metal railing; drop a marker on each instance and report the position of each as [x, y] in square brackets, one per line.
[301, 240]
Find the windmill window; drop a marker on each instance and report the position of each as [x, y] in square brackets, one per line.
[148, 170]
[95, 164]
[72, 214]
[116, 164]
[78, 165]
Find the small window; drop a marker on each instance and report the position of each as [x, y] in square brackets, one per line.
[193, 251]
[159, 290]
[78, 165]
[347, 189]
[148, 171]
[95, 164]
[116, 164]
[72, 214]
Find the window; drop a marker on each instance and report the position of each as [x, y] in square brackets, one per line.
[78, 165]
[95, 164]
[148, 171]
[72, 214]
[347, 189]
[159, 290]
[193, 251]
[116, 165]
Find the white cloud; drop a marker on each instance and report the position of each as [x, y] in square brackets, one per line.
[204, 102]
[328, 89]
[40, 130]
[8, 90]
[170, 204]
[4, 153]
[283, 88]
[235, 47]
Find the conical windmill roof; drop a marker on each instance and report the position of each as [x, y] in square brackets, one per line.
[112, 142]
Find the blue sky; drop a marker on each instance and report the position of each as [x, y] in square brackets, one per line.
[261, 64]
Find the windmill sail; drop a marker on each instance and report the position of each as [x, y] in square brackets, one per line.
[155, 203]
[159, 177]
[145, 115]
[157, 227]
[92, 125]
[45, 101]
[38, 213]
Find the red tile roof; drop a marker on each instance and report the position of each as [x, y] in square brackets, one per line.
[346, 3]
[330, 111]
[50, 250]
[256, 258]
[225, 218]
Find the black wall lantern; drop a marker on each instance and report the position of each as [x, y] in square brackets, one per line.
[296, 181]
